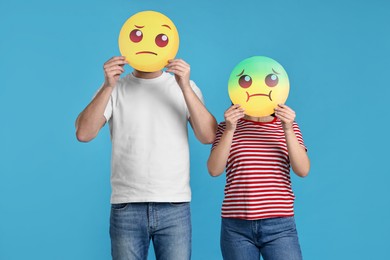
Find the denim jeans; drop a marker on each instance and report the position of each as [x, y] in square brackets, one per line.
[273, 239]
[133, 225]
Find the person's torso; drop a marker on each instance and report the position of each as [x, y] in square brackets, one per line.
[258, 181]
[150, 154]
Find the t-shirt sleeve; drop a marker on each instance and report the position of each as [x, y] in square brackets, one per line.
[298, 134]
[198, 92]
[220, 130]
[108, 110]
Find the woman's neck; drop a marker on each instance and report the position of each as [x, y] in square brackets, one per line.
[262, 119]
[147, 75]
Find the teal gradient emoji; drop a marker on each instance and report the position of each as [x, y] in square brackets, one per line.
[258, 84]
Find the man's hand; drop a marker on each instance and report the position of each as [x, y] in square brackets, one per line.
[181, 70]
[113, 68]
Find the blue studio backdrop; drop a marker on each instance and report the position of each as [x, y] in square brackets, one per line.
[55, 191]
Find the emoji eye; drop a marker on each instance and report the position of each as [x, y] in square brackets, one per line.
[161, 40]
[271, 80]
[136, 35]
[245, 81]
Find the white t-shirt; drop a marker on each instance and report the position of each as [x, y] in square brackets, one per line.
[150, 154]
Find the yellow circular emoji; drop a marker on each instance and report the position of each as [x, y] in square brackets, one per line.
[148, 40]
[258, 84]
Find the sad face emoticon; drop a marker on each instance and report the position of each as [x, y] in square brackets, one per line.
[148, 40]
[258, 84]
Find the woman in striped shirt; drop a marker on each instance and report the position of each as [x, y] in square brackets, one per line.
[257, 211]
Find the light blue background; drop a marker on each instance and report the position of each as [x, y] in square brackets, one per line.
[54, 191]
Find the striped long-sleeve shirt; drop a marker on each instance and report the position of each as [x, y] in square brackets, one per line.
[258, 181]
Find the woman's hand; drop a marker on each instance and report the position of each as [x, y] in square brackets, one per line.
[232, 115]
[286, 115]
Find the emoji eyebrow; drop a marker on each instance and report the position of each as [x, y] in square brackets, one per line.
[166, 26]
[242, 72]
[139, 27]
[275, 71]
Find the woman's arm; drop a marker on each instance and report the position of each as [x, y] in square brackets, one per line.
[219, 155]
[299, 159]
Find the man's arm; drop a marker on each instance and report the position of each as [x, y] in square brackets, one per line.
[92, 119]
[202, 121]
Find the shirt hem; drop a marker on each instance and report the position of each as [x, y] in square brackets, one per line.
[141, 200]
[264, 217]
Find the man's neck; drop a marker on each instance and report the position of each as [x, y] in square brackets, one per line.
[147, 75]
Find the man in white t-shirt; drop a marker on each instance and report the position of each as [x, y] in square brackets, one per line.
[148, 114]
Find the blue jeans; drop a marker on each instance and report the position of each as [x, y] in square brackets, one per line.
[133, 225]
[273, 239]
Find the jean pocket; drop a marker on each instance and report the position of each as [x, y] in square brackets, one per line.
[285, 224]
[119, 206]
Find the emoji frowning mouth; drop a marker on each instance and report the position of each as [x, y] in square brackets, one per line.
[146, 52]
[259, 94]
